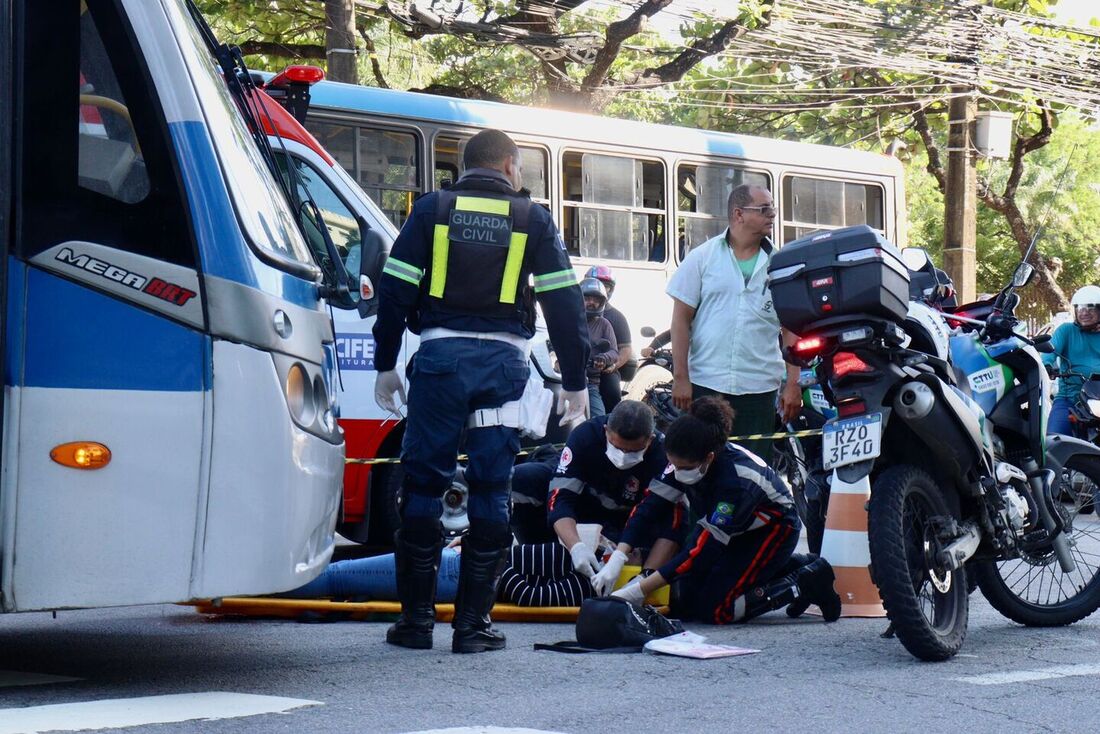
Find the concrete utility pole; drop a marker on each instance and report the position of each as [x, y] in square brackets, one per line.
[961, 197]
[340, 41]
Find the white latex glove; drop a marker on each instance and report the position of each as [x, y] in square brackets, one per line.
[573, 405]
[632, 593]
[604, 581]
[584, 560]
[386, 386]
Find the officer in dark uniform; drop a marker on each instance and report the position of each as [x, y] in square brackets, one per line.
[603, 472]
[458, 274]
[739, 561]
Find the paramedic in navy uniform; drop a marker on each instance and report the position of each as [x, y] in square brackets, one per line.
[458, 275]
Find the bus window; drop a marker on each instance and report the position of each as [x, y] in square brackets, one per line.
[536, 177]
[341, 222]
[702, 195]
[812, 204]
[97, 167]
[448, 166]
[448, 160]
[614, 207]
[389, 170]
[338, 140]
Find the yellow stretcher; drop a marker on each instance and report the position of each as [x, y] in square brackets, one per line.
[366, 611]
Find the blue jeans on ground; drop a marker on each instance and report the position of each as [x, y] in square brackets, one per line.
[450, 379]
[374, 579]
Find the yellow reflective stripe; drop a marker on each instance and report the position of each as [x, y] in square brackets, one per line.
[510, 284]
[483, 205]
[441, 246]
[553, 281]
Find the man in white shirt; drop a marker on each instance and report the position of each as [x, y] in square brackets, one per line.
[725, 332]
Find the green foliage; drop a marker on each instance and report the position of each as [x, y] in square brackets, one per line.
[864, 108]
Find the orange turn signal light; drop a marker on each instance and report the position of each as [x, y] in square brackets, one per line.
[81, 455]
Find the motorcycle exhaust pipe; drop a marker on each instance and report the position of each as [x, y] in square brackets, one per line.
[917, 405]
[1041, 482]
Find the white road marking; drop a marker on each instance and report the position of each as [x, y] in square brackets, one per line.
[120, 712]
[484, 730]
[11, 678]
[1025, 676]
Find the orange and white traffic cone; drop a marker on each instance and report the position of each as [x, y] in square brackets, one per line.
[846, 549]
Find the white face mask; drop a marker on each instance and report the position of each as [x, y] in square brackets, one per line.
[623, 459]
[690, 476]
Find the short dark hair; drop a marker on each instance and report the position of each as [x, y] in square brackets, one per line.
[703, 429]
[631, 419]
[740, 197]
[488, 149]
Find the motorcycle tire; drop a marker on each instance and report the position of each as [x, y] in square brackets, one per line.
[789, 463]
[904, 499]
[994, 576]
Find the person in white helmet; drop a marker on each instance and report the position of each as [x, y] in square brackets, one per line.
[1077, 352]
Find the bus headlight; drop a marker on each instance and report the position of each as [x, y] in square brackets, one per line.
[308, 398]
[300, 395]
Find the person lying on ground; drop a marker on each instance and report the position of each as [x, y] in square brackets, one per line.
[536, 576]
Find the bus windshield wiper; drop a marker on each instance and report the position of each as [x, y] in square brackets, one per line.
[242, 88]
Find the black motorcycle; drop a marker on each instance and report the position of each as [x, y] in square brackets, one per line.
[953, 456]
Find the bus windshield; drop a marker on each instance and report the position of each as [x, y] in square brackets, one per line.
[270, 226]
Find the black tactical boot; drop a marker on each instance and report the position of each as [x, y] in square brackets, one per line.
[815, 584]
[479, 572]
[797, 560]
[775, 594]
[417, 569]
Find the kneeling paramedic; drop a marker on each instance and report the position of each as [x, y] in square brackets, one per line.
[739, 561]
[603, 472]
[458, 275]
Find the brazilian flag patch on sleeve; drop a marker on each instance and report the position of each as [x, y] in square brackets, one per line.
[722, 517]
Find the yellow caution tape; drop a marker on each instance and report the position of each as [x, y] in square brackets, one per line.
[748, 437]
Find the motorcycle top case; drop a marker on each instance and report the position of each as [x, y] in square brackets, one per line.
[852, 271]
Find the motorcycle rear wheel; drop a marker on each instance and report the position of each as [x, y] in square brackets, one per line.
[927, 604]
[1033, 590]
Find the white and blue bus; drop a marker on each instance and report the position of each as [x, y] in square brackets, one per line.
[169, 403]
[630, 195]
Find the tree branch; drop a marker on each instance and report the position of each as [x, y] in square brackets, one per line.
[935, 161]
[617, 33]
[1024, 146]
[287, 50]
[372, 50]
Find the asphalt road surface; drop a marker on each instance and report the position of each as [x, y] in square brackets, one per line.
[131, 667]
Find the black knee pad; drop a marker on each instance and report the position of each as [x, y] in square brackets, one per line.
[486, 534]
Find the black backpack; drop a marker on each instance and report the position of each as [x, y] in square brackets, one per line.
[611, 624]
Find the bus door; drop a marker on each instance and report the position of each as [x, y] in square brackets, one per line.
[106, 364]
[7, 107]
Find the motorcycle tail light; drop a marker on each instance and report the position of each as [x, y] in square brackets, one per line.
[809, 346]
[850, 407]
[846, 363]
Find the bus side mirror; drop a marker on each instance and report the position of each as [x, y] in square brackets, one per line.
[374, 250]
